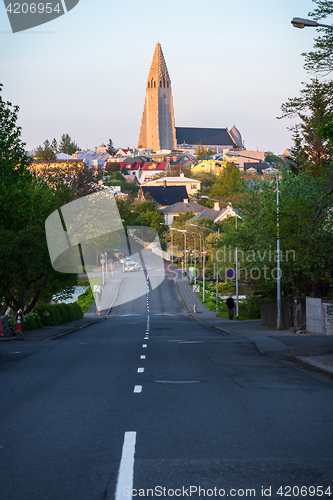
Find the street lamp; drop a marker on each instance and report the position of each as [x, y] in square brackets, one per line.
[184, 232]
[217, 271]
[299, 22]
[278, 284]
[237, 294]
[203, 261]
[195, 258]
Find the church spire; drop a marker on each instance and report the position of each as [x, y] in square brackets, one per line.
[157, 125]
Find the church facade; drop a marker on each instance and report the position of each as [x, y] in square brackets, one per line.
[158, 124]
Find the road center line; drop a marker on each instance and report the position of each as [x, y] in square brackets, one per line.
[126, 468]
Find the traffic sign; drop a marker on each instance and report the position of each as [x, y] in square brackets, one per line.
[196, 288]
[110, 260]
[169, 243]
[230, 273]
[179, 254]
[171, 250]
[116, 254]
[102, 261]
[97, 288]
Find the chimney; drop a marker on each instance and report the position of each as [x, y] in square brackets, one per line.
[164, 183]
[182, 175]
[185, 200]
[216, 206]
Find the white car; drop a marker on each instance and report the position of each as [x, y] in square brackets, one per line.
[130, 266]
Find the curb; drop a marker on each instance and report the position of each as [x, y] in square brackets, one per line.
[314, 365]
[75, 329]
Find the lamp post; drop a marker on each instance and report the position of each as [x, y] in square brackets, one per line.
[278, 265]
[217, 271]
[195, 258]
[299, 22]
[184, 232]
[203, 262]
[237, 281]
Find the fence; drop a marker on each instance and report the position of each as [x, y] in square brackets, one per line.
[293, 313]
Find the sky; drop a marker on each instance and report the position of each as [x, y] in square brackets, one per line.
[230, 62]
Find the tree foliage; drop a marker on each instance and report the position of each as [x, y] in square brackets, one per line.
[313, 107]
[201, 153]
[45, 152]
[110, 149]
[67, 145]
[320, 60]
[306, 236]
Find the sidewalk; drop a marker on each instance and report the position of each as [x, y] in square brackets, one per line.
[267, 340]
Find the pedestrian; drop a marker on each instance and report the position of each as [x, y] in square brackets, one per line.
[230, 305]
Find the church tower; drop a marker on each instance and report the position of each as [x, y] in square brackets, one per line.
[158, 124]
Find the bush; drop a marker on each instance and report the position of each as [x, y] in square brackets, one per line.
[86, 299]
[56, 314]
[251, 308]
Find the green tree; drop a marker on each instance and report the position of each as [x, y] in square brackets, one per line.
[201, 153]
[45, 152]
[110, 149]
[67, 146]
[54, 146]
[312, 107]
[15, 176]
[320, 60]
[228, 184]
[306, 236]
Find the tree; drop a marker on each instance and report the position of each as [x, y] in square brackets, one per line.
[306, 236]
[321, 59]
[67, 146]
[54, 146]
[15, 176]
[228, 184]
[110, 149]
[45, 152]
[201, 153]
[313, 107]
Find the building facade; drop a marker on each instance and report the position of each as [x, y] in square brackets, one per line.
[158, 124]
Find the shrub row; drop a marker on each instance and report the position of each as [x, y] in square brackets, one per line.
[50, 315]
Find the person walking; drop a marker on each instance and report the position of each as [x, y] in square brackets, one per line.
[230, 305]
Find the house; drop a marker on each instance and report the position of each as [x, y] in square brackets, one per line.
[171, 212]
[164, 195]
[215, 214]
[192, 185]
[151, 169]
[214, 164]
[245, 156]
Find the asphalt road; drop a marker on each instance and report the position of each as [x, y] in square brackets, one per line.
[150, 398]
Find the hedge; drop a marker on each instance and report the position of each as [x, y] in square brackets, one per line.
[52, 315]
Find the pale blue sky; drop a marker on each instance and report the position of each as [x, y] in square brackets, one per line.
[230, 62]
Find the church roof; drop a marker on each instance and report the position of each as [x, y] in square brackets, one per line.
[204, 136]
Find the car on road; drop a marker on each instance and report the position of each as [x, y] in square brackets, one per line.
[131, 266]
[129, 260]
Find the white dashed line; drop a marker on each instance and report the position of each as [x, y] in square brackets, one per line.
[137, 388]
[144, 345]
[126, 468]
[143, 356]
[140, 370]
